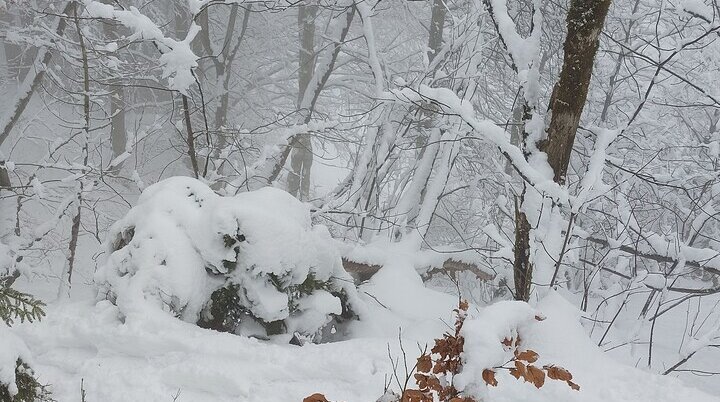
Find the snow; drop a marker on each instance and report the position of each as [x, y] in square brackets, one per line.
[592, 184]
[153, 358]
[12, 348]
[170, 253]
[538, 173]
[697, 8]
[177, 59]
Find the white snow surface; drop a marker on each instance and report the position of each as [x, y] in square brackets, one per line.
[135, 351]
[156, 357]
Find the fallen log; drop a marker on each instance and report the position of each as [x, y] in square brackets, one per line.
[362, 272]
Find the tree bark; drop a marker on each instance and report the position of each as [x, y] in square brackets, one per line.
[190, 139]
[118, 135]
[585, 21]
[437, 25]
[301, 158]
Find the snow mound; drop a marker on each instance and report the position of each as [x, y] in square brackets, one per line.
[559, 340]
[12, 348]
[251, 264]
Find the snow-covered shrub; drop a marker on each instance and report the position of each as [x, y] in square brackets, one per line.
[249, 264]
[456, 370]
[17, 380]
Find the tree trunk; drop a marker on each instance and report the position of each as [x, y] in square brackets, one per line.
[585, 21]
[301, 158]
[27, 89]
[118, 135]
[437, 24]
[522, 266]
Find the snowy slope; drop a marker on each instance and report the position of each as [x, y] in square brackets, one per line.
[158, 358]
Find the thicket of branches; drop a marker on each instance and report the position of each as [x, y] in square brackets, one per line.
[462, 127]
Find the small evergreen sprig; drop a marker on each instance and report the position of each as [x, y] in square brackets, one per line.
[18, 305]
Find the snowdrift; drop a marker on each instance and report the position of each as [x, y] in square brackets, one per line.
[146, 359]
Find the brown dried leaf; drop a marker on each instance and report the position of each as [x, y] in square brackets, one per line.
[529, 356]
[317, 397]
[447, 393]
[421, 380]
[558, 373]
[539, 317]
[424, 363]
[519, 371]
[535, 376]
[413, 395]
[507, 342]
[489, 377]
[434, 384]
[573, 385]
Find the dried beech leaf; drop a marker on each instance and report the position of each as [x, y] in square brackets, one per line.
[573, 385]
[316, 398]
[529, 356]
[433, 384]
[558, 373]
[424, 364]
[413, 395]
[489, 377]
[519, 370]
[535, 376]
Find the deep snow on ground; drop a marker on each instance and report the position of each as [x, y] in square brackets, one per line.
[160, 358]
[138, 351]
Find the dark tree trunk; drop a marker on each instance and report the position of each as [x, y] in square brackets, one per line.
[585, 21]
[437, 25]
[522, 268]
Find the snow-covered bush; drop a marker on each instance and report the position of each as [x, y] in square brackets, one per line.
[249, 264]
[456, 370]
[17, 380]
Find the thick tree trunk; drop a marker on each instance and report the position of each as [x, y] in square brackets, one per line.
[585, 21]
[118, 135]
[437, 25]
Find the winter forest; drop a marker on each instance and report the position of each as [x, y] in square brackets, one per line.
[359, 200]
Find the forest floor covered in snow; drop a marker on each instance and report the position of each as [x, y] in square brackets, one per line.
[83, 345]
